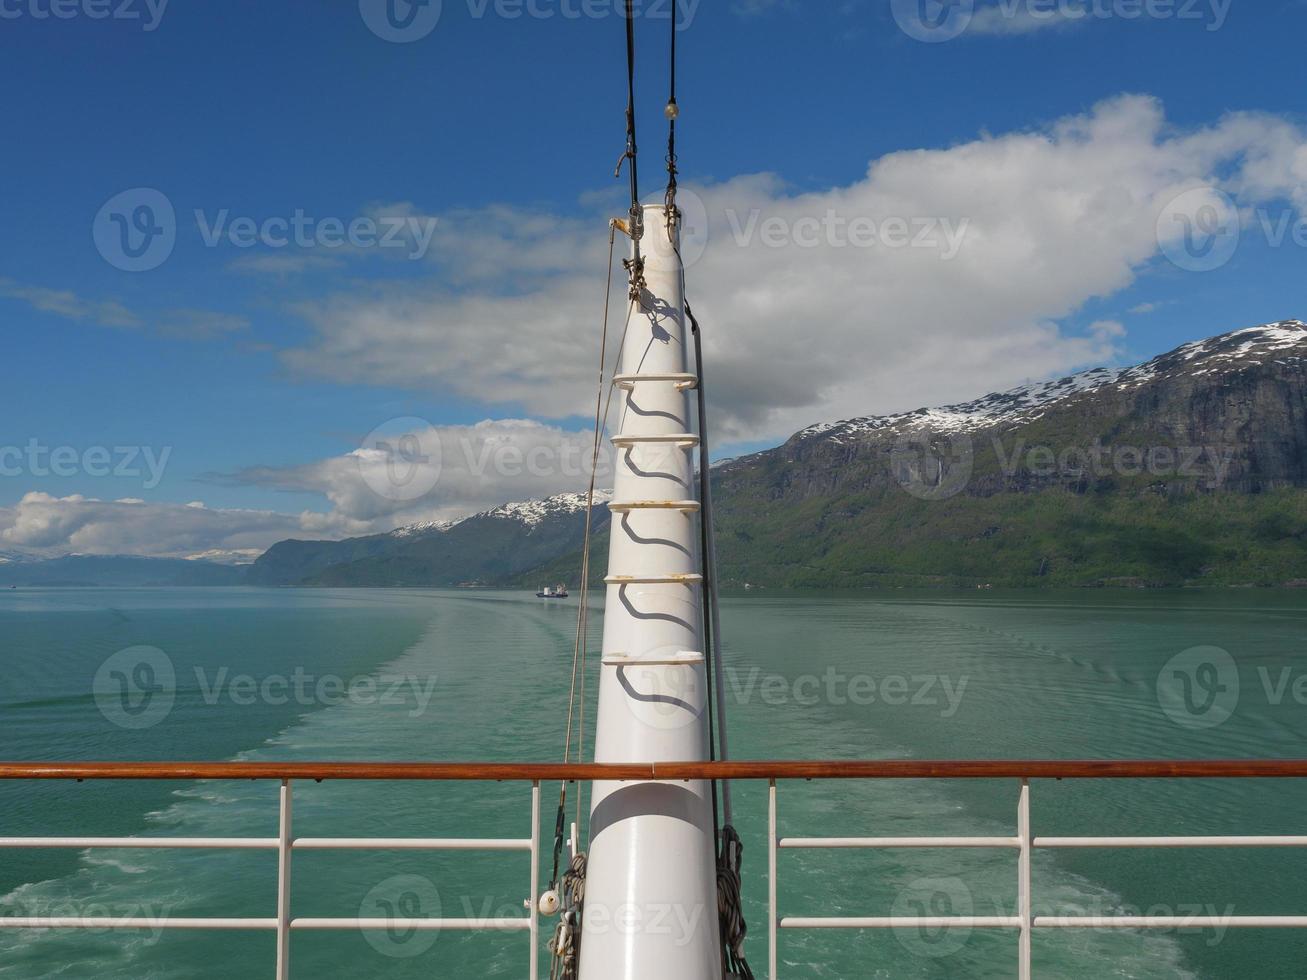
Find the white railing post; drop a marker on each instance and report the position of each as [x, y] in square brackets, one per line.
[534, 928]
[772, 841]
[1023, 879]
[283, 885]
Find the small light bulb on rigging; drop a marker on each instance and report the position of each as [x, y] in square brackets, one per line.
[673, 111]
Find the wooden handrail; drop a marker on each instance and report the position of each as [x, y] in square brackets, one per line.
[552, 772]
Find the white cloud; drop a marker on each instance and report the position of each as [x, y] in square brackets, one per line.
[65, 303]
[1107, 330]
[1016, 17]
[438, 474]
[1052, 219]
[184, 323]
[1009, 18]
[45, 525]
[417, 473]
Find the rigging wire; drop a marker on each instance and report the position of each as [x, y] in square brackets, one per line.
[578, 649]
[712, 636]
[673, 112]
[634, 265]
[730, 907]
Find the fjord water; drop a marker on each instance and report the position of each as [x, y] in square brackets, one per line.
[483, 676]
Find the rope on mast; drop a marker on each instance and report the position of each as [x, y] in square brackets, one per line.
[635, 265]
[579, 647]
[673, 112]
[568, 896]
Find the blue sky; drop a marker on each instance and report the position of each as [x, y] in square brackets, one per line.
[260, 369]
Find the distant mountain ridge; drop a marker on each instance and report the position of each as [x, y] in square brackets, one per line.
[1189, 469]
[1031, 402]
[484, 549]
[23, 570]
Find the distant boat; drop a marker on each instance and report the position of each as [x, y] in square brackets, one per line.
[552, 592]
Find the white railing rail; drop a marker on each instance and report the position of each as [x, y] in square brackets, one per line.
[1024, 843]
[285, 844]
[1025, 922]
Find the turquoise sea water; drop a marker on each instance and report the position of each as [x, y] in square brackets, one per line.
[482, 676]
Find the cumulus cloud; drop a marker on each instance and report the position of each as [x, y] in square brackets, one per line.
[976, 254]
[45, 525]
[411, 472]
[405, 472]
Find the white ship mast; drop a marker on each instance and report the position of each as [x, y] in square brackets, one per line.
[651, 888]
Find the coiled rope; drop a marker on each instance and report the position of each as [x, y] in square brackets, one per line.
[566, 941]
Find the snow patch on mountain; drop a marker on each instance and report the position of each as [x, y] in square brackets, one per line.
[423, 529]
[532, 512]
[529, 512]
[1030, 402]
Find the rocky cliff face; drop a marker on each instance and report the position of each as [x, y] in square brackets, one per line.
[1226, 414]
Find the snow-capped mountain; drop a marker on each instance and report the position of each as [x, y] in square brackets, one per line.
[485, 548]
[528, 512]
[1285, 341]
[1210, 490]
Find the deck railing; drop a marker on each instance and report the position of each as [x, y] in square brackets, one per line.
[1024, 923]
